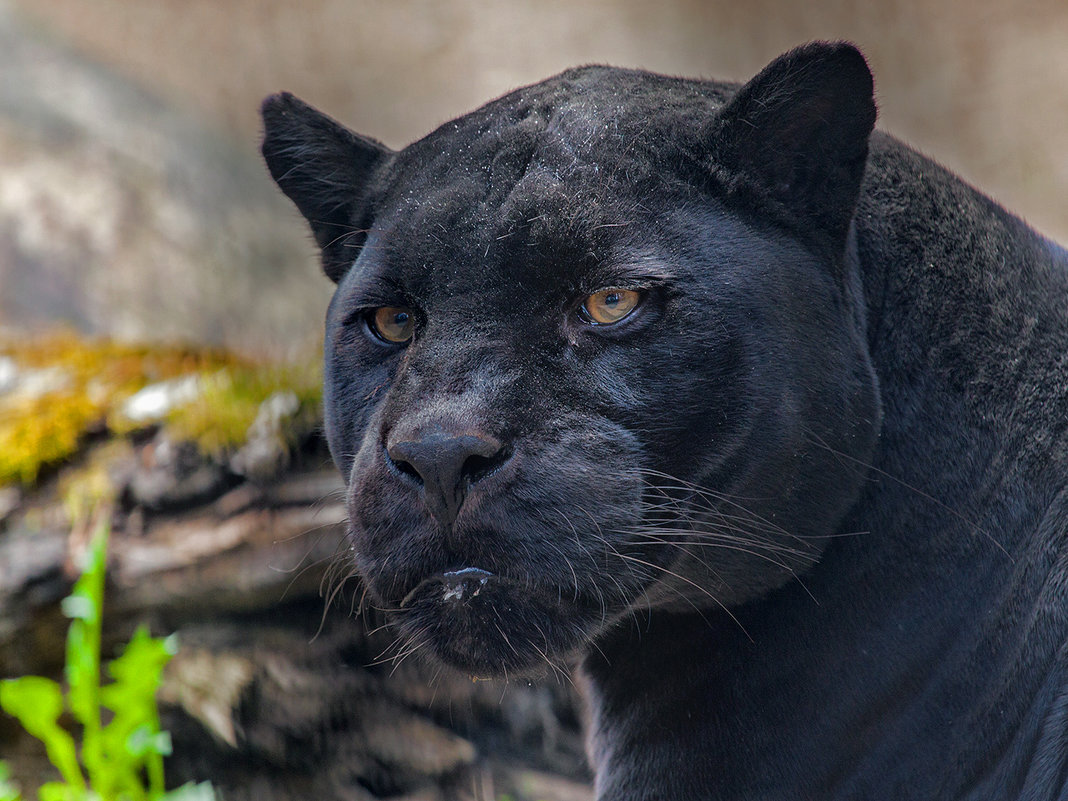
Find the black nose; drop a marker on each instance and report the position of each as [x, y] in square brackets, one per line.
[447, 465]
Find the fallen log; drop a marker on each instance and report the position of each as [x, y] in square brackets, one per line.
[280, 690]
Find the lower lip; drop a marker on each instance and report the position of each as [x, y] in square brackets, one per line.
[457, 586]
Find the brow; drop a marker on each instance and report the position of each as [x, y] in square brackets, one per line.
[632, 273]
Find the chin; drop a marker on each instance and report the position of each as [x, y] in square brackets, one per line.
[483, 625]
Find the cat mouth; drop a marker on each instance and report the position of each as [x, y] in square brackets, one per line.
[485, 623]
[454, 586]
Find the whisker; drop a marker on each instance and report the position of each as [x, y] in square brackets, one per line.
[718, 545]
[693, 584]
[817, 440]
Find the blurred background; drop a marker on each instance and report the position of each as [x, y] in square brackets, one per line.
[132, 202]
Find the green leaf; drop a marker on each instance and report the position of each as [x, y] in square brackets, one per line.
[54, 791]
[83, 674]
[124, 756]
[9, 791]
[85, 606]
[38, 702]
[145, 740]
[140, 666]
[134, 732]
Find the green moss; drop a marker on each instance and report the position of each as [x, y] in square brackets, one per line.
[117, 369]
[83, 384]
[229, 402]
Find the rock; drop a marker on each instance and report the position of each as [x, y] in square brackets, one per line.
[171, 475]
[528, 785]
[10, 497]
[266, 450]
[208, 686]
[152, 403]
[124, 216]
[32, 384]
[9, 372]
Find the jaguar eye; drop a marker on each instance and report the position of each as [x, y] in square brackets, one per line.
[610, 305]
[394, 324]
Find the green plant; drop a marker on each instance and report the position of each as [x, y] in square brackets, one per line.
[122, 745]
[8, 791]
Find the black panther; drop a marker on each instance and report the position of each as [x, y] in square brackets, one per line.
[755, 416]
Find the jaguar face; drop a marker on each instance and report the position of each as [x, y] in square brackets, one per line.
[568, 375]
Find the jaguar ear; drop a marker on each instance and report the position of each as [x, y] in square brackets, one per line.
[797, 135]
[327, 171]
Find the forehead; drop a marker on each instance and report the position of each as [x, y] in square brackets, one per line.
[544, 180]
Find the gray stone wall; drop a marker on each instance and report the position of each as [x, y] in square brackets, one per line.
[122, 215]
[131, 200]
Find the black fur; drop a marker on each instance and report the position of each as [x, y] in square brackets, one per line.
[326, 170]
[800, 517]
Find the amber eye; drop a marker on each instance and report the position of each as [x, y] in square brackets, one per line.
[392, 323]
[610, 305]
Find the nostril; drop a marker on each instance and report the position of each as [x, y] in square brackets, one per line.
[477, 467]
[407, 469]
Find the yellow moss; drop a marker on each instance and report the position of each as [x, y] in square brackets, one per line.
[92, 379]
[36, 432]
[88, 486]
